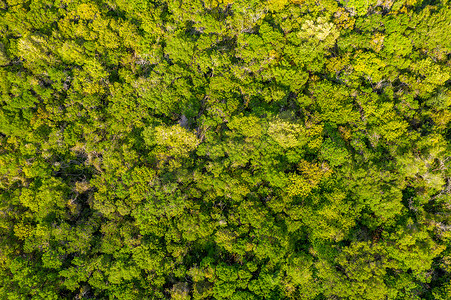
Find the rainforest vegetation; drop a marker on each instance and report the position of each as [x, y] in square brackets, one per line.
[221, 149]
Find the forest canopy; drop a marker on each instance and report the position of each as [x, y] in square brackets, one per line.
[221, 149]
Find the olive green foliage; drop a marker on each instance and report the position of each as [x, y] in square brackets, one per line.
[225, 149]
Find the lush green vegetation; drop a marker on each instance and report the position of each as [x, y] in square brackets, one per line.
[221, 149]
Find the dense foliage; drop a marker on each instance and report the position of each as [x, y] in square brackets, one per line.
[221, 149]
